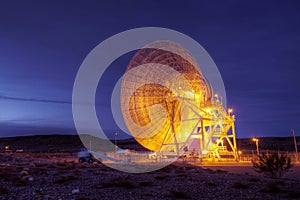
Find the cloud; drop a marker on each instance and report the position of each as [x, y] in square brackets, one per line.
[34, 100]
[4, 97]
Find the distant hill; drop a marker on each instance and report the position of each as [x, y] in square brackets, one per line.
[269, 143]
[57, 143]
[72, 143]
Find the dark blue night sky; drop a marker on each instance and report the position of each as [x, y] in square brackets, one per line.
[255, 44]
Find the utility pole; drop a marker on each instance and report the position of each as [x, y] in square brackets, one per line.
[256, 143]
[295, 142]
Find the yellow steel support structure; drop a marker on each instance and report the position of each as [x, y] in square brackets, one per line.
[215, 127]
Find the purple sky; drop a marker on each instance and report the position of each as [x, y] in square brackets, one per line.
[255, 44]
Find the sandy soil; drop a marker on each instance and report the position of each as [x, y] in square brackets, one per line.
[59, 176]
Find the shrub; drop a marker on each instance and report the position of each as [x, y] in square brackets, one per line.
[273, 165]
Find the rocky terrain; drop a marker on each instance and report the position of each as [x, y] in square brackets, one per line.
[48, 169]
[59, 176]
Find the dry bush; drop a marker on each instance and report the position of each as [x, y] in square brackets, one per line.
[272, 165]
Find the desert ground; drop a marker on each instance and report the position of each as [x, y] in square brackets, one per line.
[60, 176]
[38, 174]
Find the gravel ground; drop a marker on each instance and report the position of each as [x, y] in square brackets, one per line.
[39, 176]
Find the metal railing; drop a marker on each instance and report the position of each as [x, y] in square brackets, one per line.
[252, 155]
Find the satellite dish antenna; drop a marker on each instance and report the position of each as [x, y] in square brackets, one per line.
[167, 104]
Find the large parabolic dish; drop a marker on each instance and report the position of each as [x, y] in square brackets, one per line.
[158, 81]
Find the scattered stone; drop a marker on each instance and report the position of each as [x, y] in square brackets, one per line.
[100, 182]
[26, 169]
[24, 173]
[75, 191]
[32, 165]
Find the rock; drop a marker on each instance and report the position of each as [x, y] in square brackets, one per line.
[24, 173]
[75, 191]
[25, 178]
[32, 165]
[30, 178]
